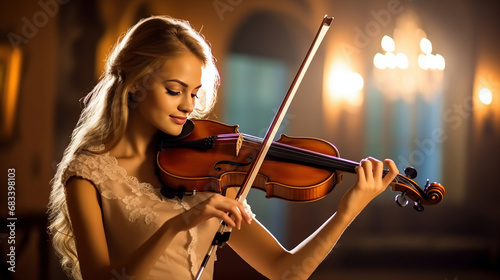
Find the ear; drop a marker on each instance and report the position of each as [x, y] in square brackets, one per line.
[134, 89]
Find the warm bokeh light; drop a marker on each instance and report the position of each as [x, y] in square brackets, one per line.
[345, 85]
[402, 61]
[346, 82]
[379, 61]
[426, 46]
[422, 62]
[440, 63]
[485, 96]
[401, 70]
[484, 103]
[10, 87]
[430, 61]
[388, 44]
[391, 60]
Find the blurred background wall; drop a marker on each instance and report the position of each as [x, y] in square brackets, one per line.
[440, 115]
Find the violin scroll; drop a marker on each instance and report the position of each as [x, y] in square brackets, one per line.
[431, 194]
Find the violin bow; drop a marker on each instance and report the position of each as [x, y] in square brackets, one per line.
[223, 232]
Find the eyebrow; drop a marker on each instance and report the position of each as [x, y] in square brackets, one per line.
[181, 83]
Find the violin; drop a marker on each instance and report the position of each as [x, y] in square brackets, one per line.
[210, 156]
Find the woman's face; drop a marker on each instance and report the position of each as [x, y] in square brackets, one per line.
[167, 97]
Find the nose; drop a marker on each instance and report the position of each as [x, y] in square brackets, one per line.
[187, 104]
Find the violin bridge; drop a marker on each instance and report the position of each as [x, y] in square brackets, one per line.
[239, 143]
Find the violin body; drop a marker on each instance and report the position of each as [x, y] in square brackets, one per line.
[224, 163]
[211, 157]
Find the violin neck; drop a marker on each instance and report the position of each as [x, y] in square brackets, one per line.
[310, 158]
[293, 154]
[301, 156]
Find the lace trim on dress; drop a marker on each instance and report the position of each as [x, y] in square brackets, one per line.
[193, 233]
[134, 206]
[248, 209]
[137, 187]
[101, 168]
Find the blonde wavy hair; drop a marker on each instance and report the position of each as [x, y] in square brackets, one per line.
[139, 53]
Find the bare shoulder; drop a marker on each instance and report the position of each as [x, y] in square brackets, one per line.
[79, 186]
[81, 194]
[78, 181]
[84, 208]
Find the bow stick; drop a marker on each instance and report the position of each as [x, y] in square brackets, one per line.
[223, 232]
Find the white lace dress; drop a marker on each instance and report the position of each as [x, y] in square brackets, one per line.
[133, 211]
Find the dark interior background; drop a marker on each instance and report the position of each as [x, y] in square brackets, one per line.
[63, 51]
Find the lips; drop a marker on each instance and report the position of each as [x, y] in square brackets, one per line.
[178, 120]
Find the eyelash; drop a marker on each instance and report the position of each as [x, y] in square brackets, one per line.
[175, 93]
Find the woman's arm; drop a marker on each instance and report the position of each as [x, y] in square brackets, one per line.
[87, 223]
[261, 250]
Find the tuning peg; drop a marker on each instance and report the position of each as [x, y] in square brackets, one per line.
[418, 206]
[401, 199]
[426, 187]
[410, 172]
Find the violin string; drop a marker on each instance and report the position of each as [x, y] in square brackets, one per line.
[328, 162]
[288, 153]
[304, 156]
[318, 159]
[338, 163]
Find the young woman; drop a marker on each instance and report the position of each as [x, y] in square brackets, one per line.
[108, 217]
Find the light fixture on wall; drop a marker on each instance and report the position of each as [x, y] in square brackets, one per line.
[389, 59]
[485, 96]
[344, 86]
[486, 104]
[407, 67]
[426, 60]
[10, 77]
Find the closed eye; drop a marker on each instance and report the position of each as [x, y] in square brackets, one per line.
[173, 93]
[194, 93]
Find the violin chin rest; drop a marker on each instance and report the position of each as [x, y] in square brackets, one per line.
[187, 129]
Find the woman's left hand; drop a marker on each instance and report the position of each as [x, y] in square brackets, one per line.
[370, 183]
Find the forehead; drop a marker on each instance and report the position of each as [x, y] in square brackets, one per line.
[185, 67]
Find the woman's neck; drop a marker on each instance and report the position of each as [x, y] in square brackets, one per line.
[138, 140]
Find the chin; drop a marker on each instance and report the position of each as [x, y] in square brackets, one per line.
[172, 132]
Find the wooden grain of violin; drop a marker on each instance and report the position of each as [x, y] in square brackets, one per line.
[211, 156]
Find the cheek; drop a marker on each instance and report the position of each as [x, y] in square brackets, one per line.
[160, 105]
[149, 98]
[144, 101]
[142, 97]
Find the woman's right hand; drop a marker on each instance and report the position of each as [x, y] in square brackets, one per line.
[231, 211]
